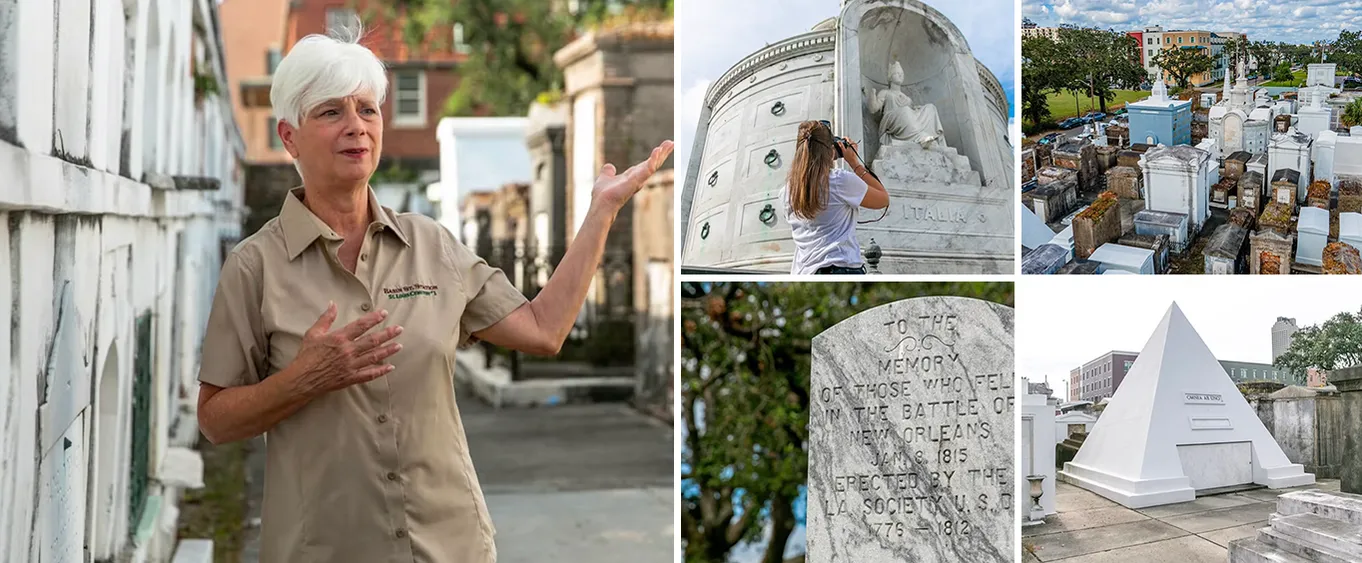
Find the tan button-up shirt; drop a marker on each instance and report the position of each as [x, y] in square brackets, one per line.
[377, 472]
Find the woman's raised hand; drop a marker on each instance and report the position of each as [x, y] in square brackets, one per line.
[612, 190]
[851, 152]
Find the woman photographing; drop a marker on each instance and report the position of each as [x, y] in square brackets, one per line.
[821, 202]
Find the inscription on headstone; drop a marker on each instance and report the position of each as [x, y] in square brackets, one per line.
[911, 435]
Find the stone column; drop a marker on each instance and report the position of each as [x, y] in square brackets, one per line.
[620, 79]
[1349, 384]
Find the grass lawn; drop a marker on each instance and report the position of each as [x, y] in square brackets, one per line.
[1299, 79]
[218, 510]
[1062, 104]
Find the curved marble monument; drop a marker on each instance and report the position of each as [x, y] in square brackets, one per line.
[1178, 425]
[951, 208]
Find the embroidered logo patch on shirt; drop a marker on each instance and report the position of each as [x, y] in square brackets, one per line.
[411, 290]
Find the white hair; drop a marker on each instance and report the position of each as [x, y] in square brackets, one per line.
[320, 68]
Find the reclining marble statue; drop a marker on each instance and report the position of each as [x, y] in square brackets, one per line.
[900, 122]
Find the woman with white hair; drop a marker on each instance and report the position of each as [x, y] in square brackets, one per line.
[334, 328]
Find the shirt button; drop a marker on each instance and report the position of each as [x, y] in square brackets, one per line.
[364, 307]
[363, 257]
[382, 418]
[401, 533]
[392, 476]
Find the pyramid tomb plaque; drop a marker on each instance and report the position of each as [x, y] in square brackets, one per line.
[911, 433]
[1178, 425]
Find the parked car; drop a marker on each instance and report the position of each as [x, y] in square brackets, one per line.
[1094, 116]
[1121, 111]
[1070, 123]
[1051, 138]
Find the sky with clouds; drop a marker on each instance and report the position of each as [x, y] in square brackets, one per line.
[1064, 321]
[713, 35]
[1292, 21]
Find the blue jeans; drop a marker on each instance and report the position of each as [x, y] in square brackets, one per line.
[840, 270]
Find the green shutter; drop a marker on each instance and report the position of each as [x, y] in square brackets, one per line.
[141, 421]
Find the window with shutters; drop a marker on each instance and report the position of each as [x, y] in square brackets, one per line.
[460, 43]
[409, 98]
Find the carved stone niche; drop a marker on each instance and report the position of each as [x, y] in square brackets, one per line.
[938, 69]
[953, 206]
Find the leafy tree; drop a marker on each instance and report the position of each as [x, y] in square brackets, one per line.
[1266, 54]
[1346, 51]
[1335, 344]
[1352, 113]
[1182, 64]
[1043, 72]
[511, 43]
[745, 363]
[1283, 73]
[1236, 52]
[1102, 61]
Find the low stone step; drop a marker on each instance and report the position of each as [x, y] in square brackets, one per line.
[1294, 546]
[1341, 538]
[1250, 550]
[1344, 507]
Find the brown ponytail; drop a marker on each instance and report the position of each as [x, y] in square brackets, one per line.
[808, 179]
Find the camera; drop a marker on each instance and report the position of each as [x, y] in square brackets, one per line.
[837, 142]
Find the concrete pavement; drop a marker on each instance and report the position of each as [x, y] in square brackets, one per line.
[1092, 529]
[575, 483]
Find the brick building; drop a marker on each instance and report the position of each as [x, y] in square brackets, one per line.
[419, 80]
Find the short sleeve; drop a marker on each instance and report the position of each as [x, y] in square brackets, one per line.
[234, 342]
[847, 187]
[490, 296]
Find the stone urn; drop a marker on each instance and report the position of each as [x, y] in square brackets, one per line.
[1037, 515]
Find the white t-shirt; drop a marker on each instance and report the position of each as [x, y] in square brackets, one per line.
[828, 239]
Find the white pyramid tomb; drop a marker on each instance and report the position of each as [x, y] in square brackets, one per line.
[1178, 425]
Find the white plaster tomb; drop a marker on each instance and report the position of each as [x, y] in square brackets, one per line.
[1178, 425]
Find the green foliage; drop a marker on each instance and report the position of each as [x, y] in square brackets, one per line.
[1346, 51]
[549, 97]
[1352, 114]
[205, 84]
[1259, 388]
[1335, 344]
[1042, 73]
[1266, 53]
[1283, 72]
[1102, 62]
[1182, 64]
[1029, 129]
[1084, 61]
[394, 173]
[745, 364]
[1236, 51]
[511, 43]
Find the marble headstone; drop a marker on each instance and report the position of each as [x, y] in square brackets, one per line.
[911, 435]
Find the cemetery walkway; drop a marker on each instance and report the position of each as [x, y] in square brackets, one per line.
[1091, 529]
